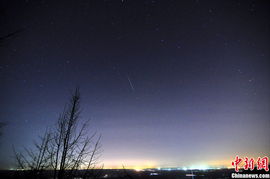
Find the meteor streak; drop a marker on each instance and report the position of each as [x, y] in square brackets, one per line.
[130, 83]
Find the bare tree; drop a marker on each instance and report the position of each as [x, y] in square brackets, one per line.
[67, 148]
[35, 159]
[9, 36]
[72, 148]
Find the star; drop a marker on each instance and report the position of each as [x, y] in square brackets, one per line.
[239, 71]
[251, 80]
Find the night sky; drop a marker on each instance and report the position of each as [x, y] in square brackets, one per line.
[167, 83]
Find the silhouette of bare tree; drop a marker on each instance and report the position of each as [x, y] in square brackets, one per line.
[66, 148]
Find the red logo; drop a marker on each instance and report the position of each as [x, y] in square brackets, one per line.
[262, 163]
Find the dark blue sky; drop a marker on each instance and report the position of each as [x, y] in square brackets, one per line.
[166, 83]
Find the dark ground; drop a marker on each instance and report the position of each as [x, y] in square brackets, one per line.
[129, 174]
[132, 174]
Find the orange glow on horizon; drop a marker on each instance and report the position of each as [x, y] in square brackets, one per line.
[146, 164]
[130, 164]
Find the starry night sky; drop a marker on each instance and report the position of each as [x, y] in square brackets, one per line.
[166, 83]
